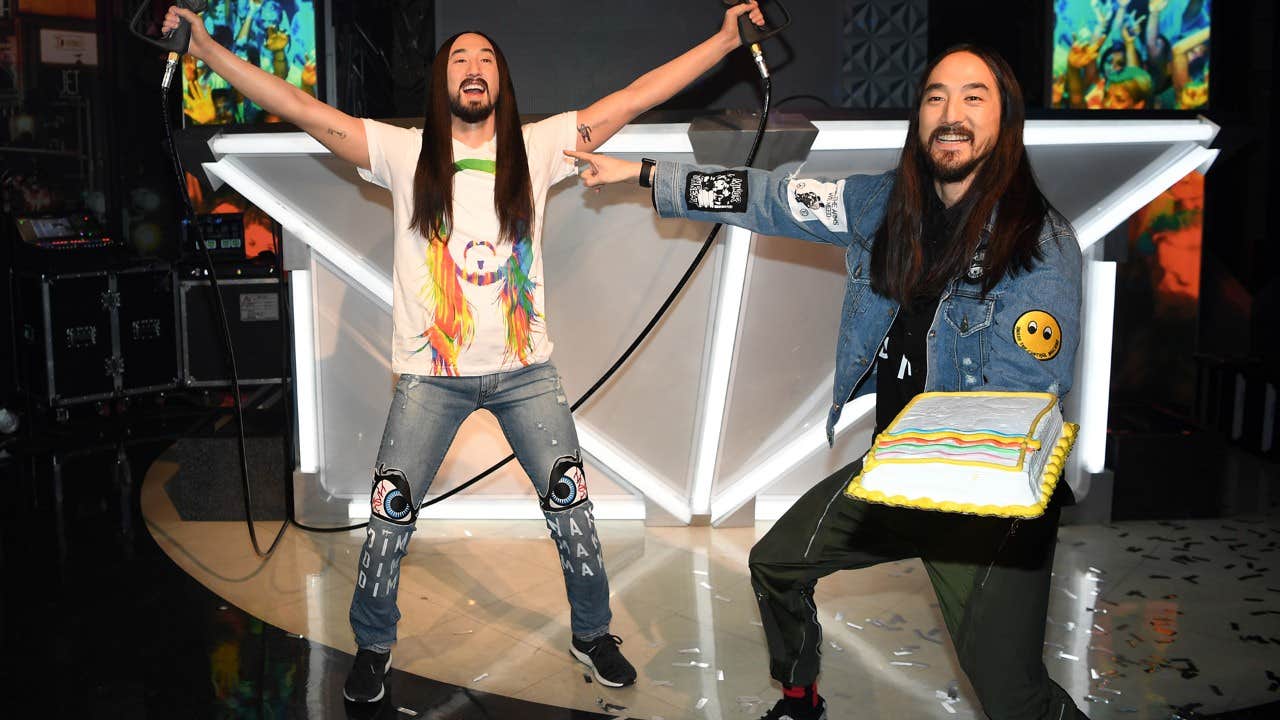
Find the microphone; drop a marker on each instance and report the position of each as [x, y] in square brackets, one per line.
[176, 41]
[758, 55]
[752, 35]
[171, 64]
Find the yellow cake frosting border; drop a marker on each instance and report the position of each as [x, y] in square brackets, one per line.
[1048, 481]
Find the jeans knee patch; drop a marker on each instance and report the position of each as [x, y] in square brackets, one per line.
[567, 484]
[390, 499]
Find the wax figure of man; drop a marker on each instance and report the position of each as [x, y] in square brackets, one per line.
[946, 256]
[468, 191]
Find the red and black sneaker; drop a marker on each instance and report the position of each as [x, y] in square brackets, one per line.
[798, 703]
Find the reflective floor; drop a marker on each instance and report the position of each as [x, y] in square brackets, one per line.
[112, 613]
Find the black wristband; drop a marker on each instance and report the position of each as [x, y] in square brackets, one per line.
[646, 172]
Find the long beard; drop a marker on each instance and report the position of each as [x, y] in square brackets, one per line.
[467, 112]
[949, 173]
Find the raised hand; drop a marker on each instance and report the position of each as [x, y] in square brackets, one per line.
[277, 40]
[1082, 54]
[729, 28]
[198, 104]
[1101, 10]
[199, 35]
[1133, 24]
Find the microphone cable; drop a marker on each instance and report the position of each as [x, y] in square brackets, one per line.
[221, 312]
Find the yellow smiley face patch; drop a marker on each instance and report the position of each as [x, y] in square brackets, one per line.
[1038, 333]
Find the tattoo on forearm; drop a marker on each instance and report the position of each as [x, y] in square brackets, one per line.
[585, 131]
[339, 133]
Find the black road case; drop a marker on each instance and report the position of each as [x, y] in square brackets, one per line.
[88, 336]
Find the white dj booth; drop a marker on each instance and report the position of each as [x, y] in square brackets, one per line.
[720, 414]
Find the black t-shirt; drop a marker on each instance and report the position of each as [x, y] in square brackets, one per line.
[902, 362]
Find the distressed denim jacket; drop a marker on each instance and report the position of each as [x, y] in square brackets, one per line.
[1022, 336]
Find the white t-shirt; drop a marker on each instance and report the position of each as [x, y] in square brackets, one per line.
[473, 305]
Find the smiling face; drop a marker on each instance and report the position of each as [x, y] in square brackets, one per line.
[959, 116]
[1118, 98]
[472, 78]
[1038, 333]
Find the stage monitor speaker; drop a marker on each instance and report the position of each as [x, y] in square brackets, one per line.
[253, 310]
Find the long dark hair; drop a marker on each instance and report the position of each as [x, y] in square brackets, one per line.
[433, 181]
[1005, 177]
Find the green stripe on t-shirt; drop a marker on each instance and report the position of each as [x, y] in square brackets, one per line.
[489, 166]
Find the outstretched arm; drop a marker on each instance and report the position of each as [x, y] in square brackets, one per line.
[1181, 69]
[771, 203]
[1130, 48]
[336, 130]
[1154, 8]
[606, 116]
[1082, 68]
[254, 7]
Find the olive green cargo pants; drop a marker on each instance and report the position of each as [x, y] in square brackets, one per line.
[991, 576]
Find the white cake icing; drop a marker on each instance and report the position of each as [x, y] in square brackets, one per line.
[983, 453]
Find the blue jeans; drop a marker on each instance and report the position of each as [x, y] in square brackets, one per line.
[532, 410]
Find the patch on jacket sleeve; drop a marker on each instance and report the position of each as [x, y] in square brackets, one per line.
[816, 200]
[1039, 334]
[724, 191]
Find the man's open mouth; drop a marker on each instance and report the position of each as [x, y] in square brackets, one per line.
[952, 137]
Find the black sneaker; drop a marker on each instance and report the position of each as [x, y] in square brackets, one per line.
[605, 660]
[367, 681]
[797, 709]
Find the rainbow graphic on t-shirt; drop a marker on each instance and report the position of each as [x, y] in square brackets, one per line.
[454, 325]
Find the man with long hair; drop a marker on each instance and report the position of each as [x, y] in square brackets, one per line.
[947, 256]
[468, 191]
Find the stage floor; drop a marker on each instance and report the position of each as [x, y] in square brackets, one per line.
[1145, 617]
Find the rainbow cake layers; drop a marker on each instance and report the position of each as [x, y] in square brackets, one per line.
[981, 453]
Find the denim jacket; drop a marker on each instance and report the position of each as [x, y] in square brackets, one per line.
[1002, 341]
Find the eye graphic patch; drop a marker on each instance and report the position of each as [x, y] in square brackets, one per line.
[390, 499]
[568, 484]
[811, 200]
[724, 191]
[1038, 333]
